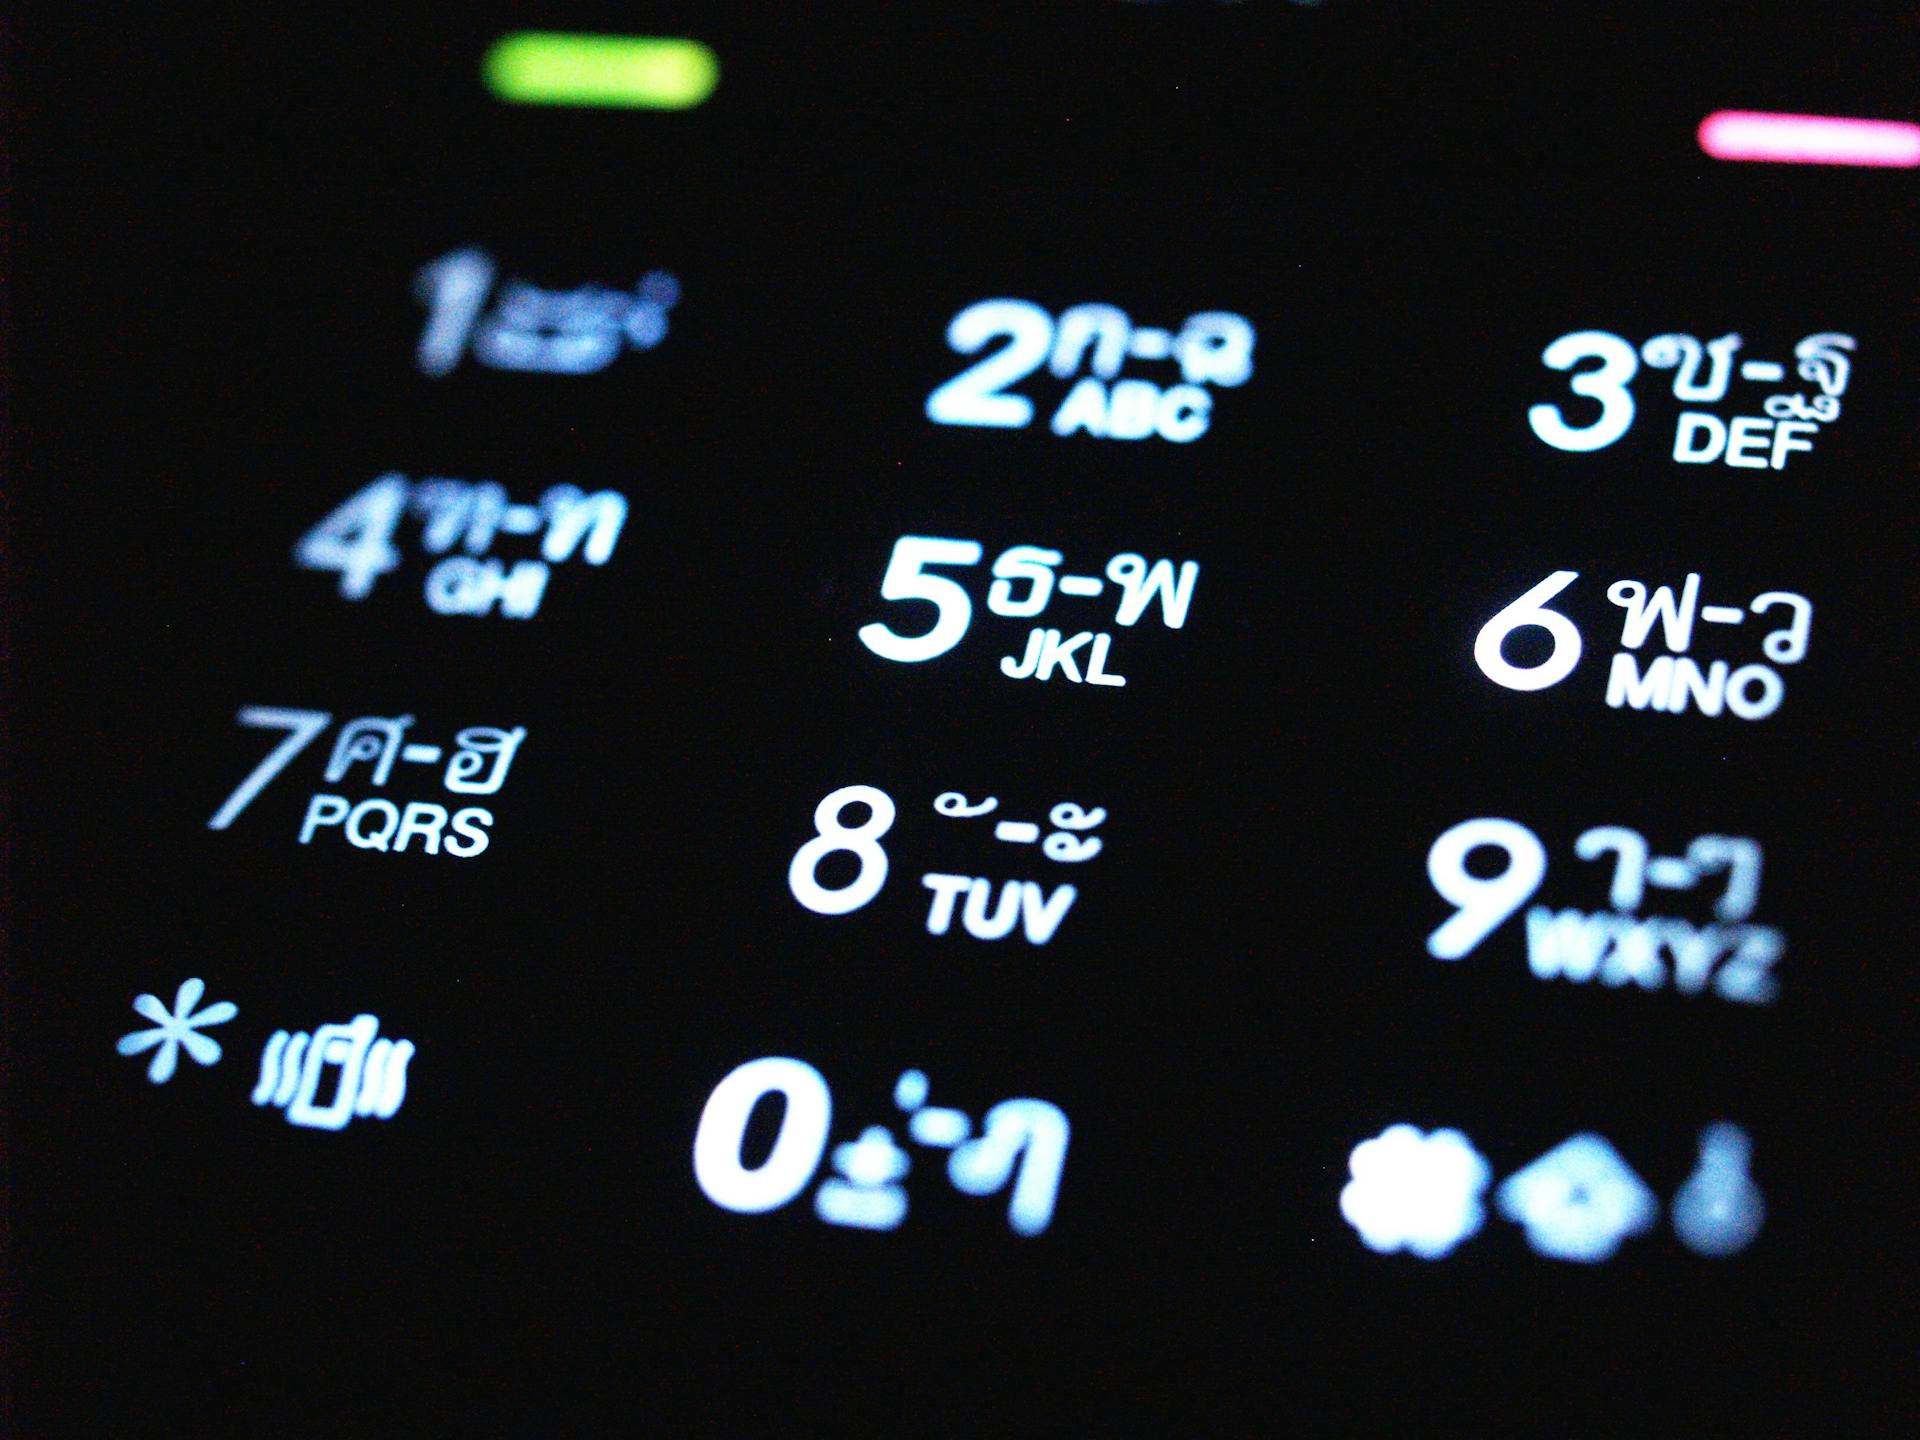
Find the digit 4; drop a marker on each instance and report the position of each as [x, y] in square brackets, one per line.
[357, 538]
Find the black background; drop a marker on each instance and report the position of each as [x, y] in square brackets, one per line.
[213, 233]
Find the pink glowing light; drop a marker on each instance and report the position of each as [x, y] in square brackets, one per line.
[1809, 139]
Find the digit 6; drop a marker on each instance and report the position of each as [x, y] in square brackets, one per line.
[1530, 609]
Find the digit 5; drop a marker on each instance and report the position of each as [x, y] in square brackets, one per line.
[907, 579]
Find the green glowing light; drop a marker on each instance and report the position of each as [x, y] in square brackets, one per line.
[629, 72]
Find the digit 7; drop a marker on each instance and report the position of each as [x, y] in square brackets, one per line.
[302, 727]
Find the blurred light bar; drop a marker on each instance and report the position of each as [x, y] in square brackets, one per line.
[1809, 139]
[622, 72]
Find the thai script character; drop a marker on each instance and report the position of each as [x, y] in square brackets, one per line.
[444, 507]
[1630, 865]
[1064, 844]
[1787, 645]
[1827, 360]
[1139, 583]
[1676, 619]
[1029, 1134]
[1719, 1210]
[474, 747]
[1665, 352]
[572, 513]
[1821, 409]
[1740, 858]
[865, 1192]
[1215, 347]
[956, 806]
[459, 513]
[1105, 327]
[371, 738]
[1030, 563]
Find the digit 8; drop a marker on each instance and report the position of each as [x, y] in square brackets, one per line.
[861, 841]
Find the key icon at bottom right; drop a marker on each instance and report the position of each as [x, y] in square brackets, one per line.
[1719, 1210]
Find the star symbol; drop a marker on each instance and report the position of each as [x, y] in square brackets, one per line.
[176, 1028]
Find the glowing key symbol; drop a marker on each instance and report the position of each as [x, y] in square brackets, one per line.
[1719, 1210]
[1578, 1201]
[372, 1073]
[619, 72]
[1809, 139]
[177, 1029]
[1415, 1192]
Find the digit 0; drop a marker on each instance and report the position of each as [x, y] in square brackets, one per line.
[861, 841]
[796, 1149]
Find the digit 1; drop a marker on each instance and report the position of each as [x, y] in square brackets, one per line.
[453, 287]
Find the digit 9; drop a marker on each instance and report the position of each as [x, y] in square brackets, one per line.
[1483, 904]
